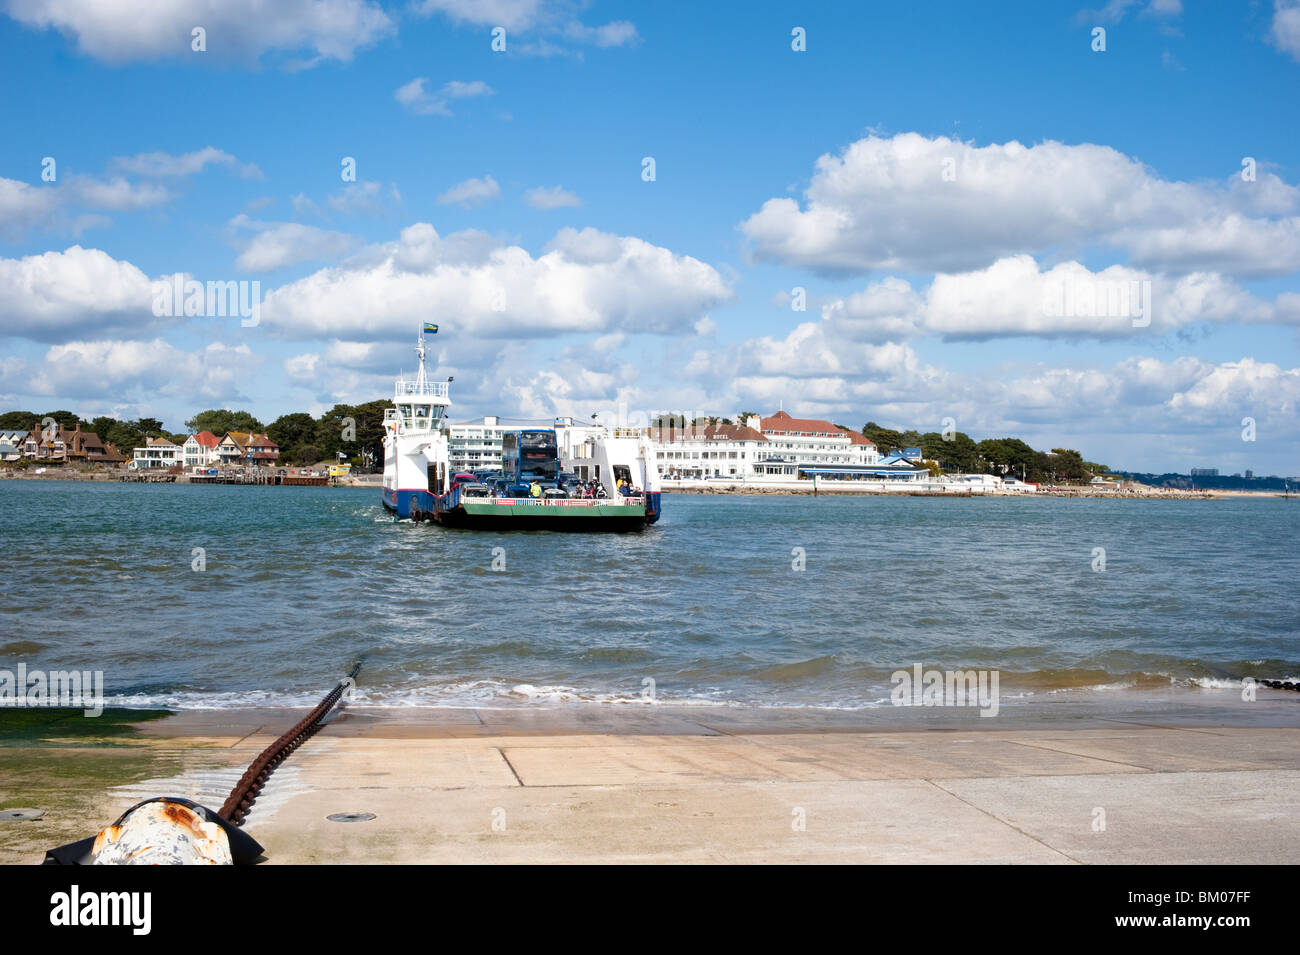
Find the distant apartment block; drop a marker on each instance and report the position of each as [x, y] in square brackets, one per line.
[475, 447]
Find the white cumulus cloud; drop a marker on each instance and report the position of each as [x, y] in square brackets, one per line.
[91, 369]
[48, 296]
[275, 245]
[1285, 29]
[1017, 296]
[913, 203]
[584, 282]
[121, 31]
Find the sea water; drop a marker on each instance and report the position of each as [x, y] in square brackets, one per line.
[201, 596]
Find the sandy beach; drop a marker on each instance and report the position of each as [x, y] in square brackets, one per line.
[1151, 777]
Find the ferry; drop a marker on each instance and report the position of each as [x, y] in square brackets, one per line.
[565, 477]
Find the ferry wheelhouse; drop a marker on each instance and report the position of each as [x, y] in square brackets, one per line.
[561, 478]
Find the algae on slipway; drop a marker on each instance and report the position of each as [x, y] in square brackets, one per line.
[67, 766]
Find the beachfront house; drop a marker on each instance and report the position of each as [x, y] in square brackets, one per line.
[242, 447]
[157, 453]
[11, 444]
[61, 444]
[14, 438]
[86, 447]
[44, 445]
[200, 450]
[261, 450]
[229, 449]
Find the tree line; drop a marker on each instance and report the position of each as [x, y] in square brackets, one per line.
[959, 452]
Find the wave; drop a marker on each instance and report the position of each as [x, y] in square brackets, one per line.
[801, 670]
[491, 693]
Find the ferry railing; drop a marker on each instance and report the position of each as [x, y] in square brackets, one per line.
[412, 386]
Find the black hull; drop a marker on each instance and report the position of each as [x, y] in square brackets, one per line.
[459, 519]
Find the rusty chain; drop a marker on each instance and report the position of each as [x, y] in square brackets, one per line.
[246, 791]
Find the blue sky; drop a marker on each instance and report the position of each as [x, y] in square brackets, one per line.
[605, 291]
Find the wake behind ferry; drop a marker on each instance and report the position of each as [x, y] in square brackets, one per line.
[568, 477]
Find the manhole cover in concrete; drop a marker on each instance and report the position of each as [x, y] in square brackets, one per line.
[350, 816]
[20, 815]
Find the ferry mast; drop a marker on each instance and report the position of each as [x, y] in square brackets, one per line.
[421, 377]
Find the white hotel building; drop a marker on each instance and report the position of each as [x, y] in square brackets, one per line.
[779, 447]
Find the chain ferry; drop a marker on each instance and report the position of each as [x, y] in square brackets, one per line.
[567, 477]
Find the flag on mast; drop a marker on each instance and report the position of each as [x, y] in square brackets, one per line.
[431, 328]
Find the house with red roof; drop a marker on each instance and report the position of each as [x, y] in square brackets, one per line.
[200, 450]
